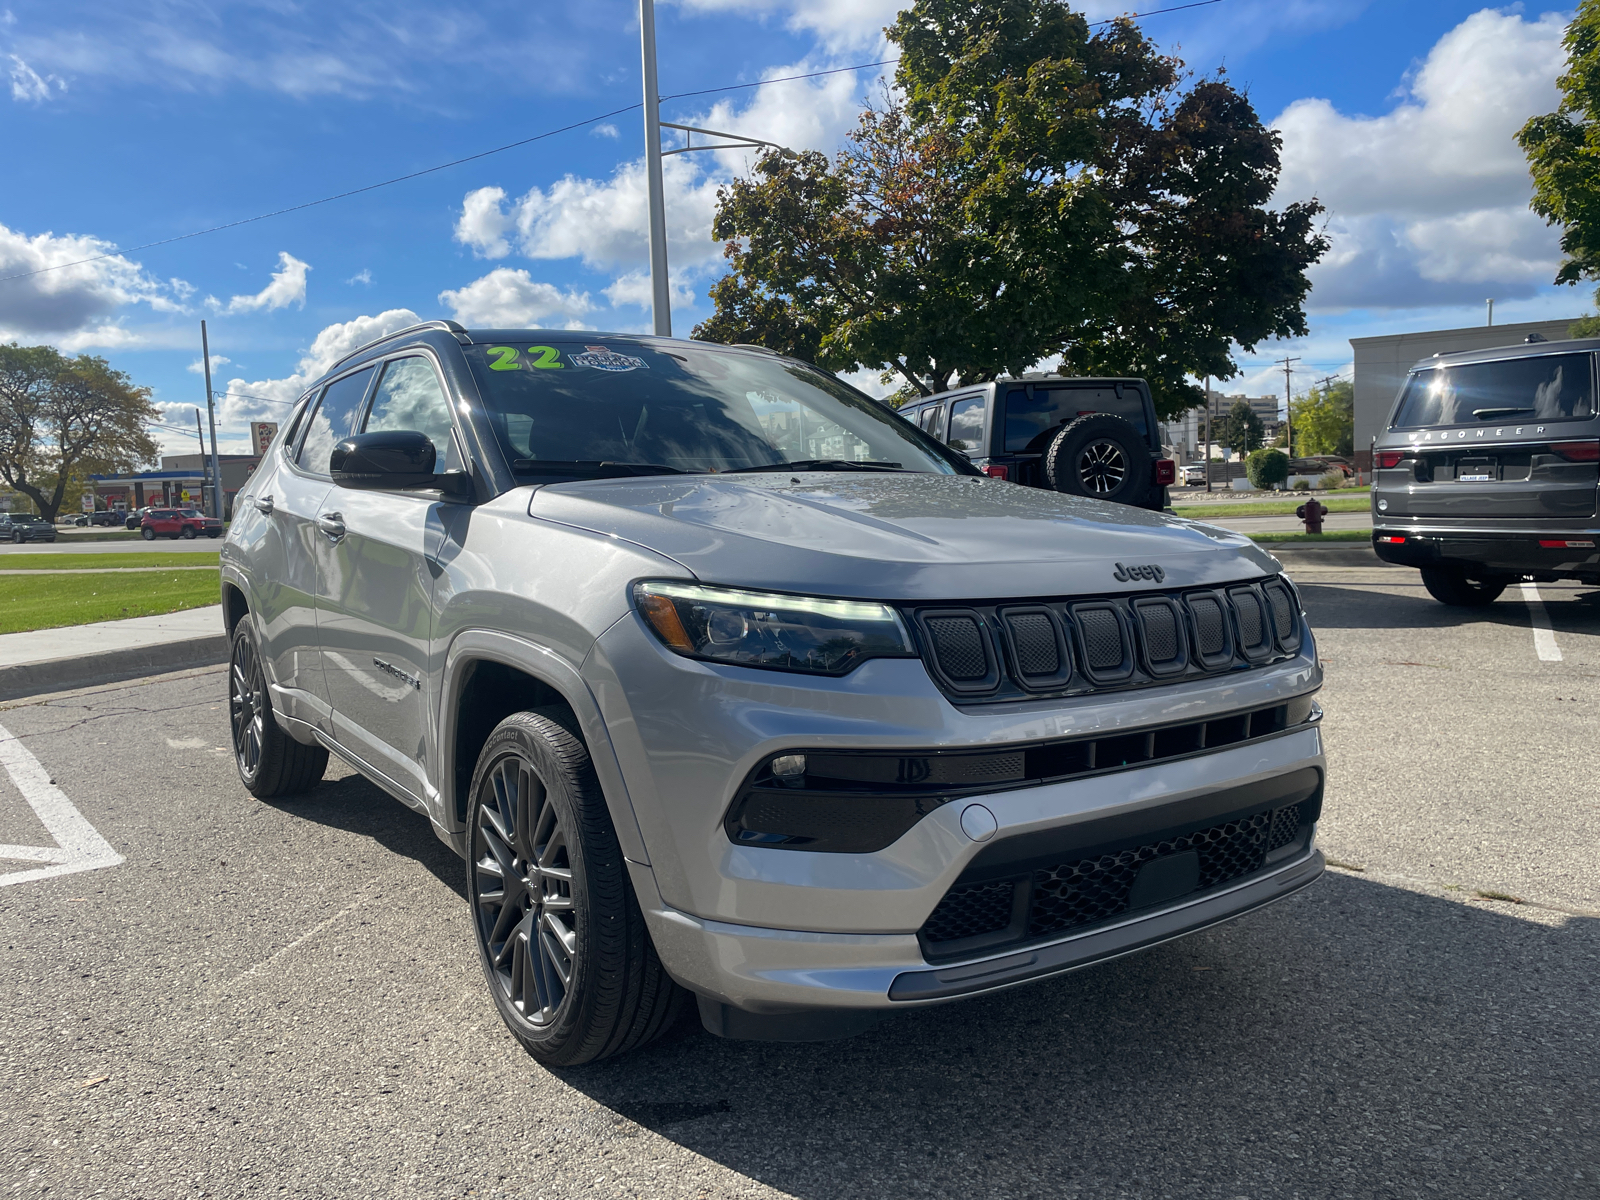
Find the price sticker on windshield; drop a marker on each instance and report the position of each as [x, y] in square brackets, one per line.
[540, 358]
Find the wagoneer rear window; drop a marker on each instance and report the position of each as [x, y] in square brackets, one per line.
[1550, 387]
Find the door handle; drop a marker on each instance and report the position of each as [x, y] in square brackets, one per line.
[331, 524]
[263, 504]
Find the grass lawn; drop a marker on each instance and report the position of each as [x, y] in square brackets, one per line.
[52, 601]
[1337, 535]
[88, 562]
[1359, 502]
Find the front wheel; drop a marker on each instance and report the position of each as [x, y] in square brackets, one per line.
[187, 533]
[562, 941]
[270, 762]
[1455, 587]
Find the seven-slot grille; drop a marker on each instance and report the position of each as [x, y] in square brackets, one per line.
[1013, 651]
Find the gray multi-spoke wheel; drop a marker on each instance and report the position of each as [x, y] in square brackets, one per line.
[563, 944]
[1102, 466]
[270, 762]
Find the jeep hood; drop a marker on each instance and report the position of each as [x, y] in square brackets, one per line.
[899, 537]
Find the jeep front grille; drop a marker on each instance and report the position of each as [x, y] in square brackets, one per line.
[1016, 651]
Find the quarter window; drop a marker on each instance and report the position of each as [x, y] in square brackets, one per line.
[333, 418]
[410, 397]
[966, 426]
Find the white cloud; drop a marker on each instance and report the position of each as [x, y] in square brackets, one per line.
[634, 288]
[269, 399]
[363, 277]
[510, 298]
[288, 286]
[1428, 203]
[197, 367]
[606, 130]
[28, 85]
[71, 297]
[839, 24]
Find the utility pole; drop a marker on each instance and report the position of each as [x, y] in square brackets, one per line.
[211, 416]
[1209, 432]
[1288, 400]
[660, 292]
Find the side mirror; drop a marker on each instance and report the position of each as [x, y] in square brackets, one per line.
[395, 458]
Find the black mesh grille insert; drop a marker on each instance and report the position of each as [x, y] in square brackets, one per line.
[1283, 617]
[1160, 632]
[958, 643]
[1034, 636]
[1102, 638]
[1254, 636]
[971, 909]
[1084, 891]
[1210, 635]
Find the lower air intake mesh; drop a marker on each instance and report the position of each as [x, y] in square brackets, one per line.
[1084, 891]
[958, 643]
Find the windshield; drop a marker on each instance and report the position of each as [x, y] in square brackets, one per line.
[1549, 387]
[564, 407]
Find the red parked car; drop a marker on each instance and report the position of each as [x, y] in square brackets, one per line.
[186, 523]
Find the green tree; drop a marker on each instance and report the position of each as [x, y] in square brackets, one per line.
[1325, 419]
[1563, 153]
[1266, 467]
[1242, 430]
[62, 418]
[1039, 190]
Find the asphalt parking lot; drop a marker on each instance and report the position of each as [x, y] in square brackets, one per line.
[264, 999]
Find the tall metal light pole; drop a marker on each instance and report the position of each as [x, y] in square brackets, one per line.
[660, 295]
[1209, 432]
[211, 415]
[1288, 405]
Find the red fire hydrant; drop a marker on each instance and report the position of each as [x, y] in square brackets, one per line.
[1311, 513]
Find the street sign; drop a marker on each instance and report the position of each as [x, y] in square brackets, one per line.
[261, 434]
[87, 502]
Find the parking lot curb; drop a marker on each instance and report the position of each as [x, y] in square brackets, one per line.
[111, 666]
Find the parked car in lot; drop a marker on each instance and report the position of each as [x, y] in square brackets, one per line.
[733, 688]
[22, 527]
[109, 517]
[186, 523]
[1192, 474]
[1489, 471]
[135, 518]
[1085, 437]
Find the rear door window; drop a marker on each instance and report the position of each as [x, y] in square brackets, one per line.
[966, 426]
[331, 422]
[1549, 387]
[1032, 420]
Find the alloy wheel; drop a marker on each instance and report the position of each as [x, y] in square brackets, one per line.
[247, 706]
[524, 904]
[1102, 467]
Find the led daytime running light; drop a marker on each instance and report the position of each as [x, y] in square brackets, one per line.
[839, 610]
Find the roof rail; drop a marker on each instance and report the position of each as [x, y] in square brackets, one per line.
[753, 346]
[450, 326]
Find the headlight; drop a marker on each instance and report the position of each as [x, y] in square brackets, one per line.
[764, 629]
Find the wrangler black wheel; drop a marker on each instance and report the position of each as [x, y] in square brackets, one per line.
[270, 762]
[1101, 456]
[563, 944]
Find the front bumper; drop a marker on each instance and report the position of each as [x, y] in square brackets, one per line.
[1506, 553]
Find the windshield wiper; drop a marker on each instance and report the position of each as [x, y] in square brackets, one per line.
[1489, 414]
[821, 464]
[565, 466]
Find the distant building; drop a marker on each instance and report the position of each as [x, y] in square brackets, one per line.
[1382, 363]
[180, 481]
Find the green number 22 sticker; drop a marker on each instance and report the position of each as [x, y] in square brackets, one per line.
[507, 358]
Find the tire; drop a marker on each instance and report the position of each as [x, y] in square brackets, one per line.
[1456, 587]
[16, 538]
[187, 533]
[148, 534]
[587, 984]
[270, 762]
[1099, 456]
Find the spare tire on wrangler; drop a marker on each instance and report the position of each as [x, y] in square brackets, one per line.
[1100, 456]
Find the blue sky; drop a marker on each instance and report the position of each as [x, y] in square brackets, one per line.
[127, 123]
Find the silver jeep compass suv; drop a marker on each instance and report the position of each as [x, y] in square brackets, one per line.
[729, 683]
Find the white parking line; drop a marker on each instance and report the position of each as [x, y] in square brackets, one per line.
[1544, 638]
[78, 846]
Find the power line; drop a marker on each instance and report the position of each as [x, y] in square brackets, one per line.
[538, 137]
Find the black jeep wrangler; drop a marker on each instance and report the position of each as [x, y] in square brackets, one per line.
[1086, 437]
